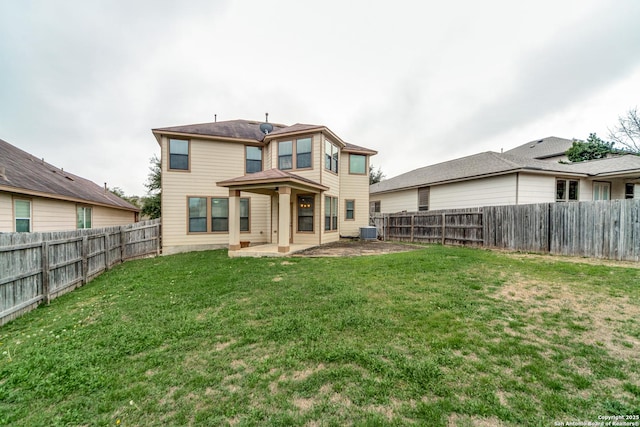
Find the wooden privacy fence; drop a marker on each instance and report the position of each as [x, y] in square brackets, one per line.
[37, 267]
[601, 229]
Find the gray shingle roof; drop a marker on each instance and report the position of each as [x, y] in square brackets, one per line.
[542, 148]
[26, 174]
[491, 163]
[241, 129]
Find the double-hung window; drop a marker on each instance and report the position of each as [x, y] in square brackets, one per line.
[330, 156]
[303, 153]
[330, 213]
[217, 210]
[628, 190]
[357, 164]
[254, 159]
[423, 199]
[178, 154]
[601, 190]
[349, 209]
[566, 190]
[305, 213]
[285, 155]
[22, 212]
[84, 217]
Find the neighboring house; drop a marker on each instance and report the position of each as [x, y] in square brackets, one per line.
[530, 173]
[261, 183]
[36, 196]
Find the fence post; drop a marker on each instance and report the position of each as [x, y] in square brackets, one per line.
[85, 259]
[412, 219]
[122, 244]
[444, 217]
[106, 251]
[44, 258]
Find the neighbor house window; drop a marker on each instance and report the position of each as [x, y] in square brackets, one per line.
[330, 213]
[285, 155]
[601, 191]
[349, 209]
[566, 190]
[305, 213]
[197, 214]
[84, 216]
[219, 214]
[628, 190]
[374, 207]
[22, 212]
[423, 199]
[178, 154]
[330, 156]
[244, 214]
[254, 159]
[357, 164]
[303, 153]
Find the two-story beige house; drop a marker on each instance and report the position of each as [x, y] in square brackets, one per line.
[276, 188]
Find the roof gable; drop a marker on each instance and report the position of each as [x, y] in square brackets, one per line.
[26, 174]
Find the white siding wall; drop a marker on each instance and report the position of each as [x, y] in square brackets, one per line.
[493, 191]
[398, 201]
[536, 189]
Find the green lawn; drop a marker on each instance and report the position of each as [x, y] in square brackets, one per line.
[438, 336]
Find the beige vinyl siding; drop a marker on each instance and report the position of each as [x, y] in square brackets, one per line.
[211, 161]
[109, 217]
[617, 188]
[499, 190]
[353, 187]
[536, 189]
[398, 201]
[53, 215]
[6, 213]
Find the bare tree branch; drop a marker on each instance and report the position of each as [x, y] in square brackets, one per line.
[627, 132]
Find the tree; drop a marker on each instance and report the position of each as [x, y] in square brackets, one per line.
[151, 204]
[627, 133]
[591, 149]
[375, 176]
[134, 200]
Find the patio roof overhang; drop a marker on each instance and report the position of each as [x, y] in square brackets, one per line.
[269, 181]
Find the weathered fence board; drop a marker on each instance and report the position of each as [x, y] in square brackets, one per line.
[37, 267]
[601, 229]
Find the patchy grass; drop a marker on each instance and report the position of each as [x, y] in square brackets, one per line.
[439, 336]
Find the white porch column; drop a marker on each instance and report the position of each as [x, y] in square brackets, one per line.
[284, 218]
[234, 220]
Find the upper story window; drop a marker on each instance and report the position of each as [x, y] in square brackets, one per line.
[330, 156]
[22, 212]
[628, 190]
[303, 153]
[285, 155]
[566, 190]
[254, 159]
[178, 154]
[423, 199]
[84, 217]
[357, 164]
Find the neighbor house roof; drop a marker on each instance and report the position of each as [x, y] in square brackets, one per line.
[22, 173]
[490, 163]
[542, 148]
[249, 131]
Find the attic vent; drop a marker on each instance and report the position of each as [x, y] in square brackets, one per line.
[542, 140]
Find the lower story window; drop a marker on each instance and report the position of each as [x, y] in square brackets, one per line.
[217, 209]
[566, 190]
[628, 190]
[84, 217]
[374, 207]
[349, 209]
[330, 213]
[601, 191]
[22, 212]
[423, 199]
[305, 213]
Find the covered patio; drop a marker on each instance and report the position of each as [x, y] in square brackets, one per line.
[279, 185]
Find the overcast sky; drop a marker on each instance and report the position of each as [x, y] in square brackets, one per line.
[83, 82]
